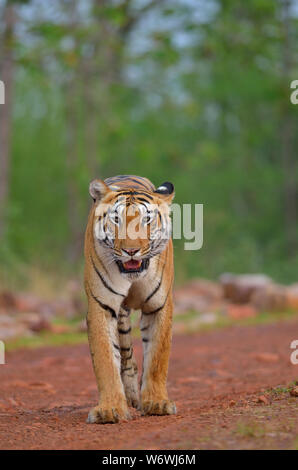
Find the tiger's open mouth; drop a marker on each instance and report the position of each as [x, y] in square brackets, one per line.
[133, 266]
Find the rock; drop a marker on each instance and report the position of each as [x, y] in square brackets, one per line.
[294, 392]
[34, 321]
[28, 319]
[239, 288]
[44, 386]
[267, 357]
[188, 380]
[197, 295]
[42, 324]
[270, 298]
[237, 312]
[27, 302]
[7, 301]
[264, 400]
[68, 307]
[10, 328]
[292, 297]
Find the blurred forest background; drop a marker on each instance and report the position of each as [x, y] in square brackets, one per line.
[191, 91]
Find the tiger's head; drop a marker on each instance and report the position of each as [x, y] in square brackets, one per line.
[131, 225]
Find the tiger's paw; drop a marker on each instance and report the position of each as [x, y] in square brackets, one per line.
[132, 397]
[101, 415]
[160, 407]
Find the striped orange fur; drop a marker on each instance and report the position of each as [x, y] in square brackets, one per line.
[129, 269]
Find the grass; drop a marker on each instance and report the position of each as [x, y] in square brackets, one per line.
[277, 391]
[295, 444]
[73, 336]
[225, 322]
[249, 430]
[46, 339]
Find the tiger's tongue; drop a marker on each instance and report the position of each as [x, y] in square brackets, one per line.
[132, 264]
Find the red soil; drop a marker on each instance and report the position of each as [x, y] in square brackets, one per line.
[219, 380]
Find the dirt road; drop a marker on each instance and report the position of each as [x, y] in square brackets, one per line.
[219, 380]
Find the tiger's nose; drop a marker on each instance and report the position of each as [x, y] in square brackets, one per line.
[131, 251]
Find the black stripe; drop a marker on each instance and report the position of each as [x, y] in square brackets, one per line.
[155, 290]
[154, 311]
[145, 340]
[128, 179]
[160, 282]
[134, 193]
[125, 349]
[104, 306]
[144, 328]
[124, 332]
[127, 368]
[95, 252]
[130, 356]
[116, 346]
[123, 315]
[161, 307]
[141, 183]
[126, 308]
[142, 199]
[104, 281]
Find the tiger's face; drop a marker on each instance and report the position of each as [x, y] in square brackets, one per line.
[131, 225]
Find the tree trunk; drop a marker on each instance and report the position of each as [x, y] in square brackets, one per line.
[6, 75]
[75, 246]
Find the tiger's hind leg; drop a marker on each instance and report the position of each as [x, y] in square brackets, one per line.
[129, 369]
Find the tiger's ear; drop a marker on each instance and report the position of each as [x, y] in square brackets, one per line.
[166, 191]
[98, 189]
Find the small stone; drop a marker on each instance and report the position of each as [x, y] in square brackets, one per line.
[263, 399]
[294, 392]
[237, 312]
[44, 386]
[267, 357]
[187, 380]
[40, 325]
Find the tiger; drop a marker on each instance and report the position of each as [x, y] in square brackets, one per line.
[129, 269]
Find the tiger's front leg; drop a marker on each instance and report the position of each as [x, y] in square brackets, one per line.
[129, 369]
[105, 353]
[156, 328]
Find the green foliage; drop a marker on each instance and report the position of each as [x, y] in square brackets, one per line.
[197, 99]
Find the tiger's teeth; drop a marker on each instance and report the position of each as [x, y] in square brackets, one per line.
[132, 264]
